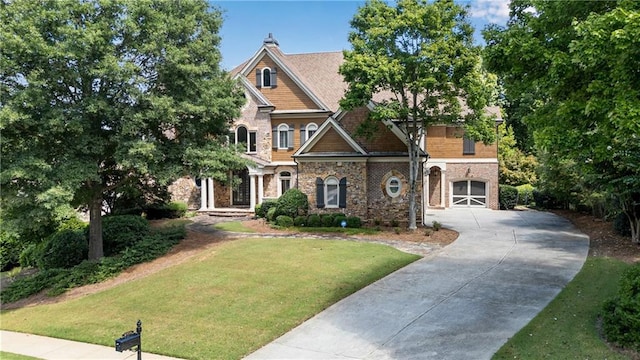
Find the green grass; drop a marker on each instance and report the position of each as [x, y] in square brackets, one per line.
[567, 327]
[338, 230]
[225, 303]
[233, 226]
[10, 356]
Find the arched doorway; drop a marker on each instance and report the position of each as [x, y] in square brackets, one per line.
[435, 187]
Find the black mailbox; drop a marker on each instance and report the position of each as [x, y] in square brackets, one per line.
[131, 339]
[127, 341]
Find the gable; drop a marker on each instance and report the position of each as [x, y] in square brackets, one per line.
[332, 142]
[286, 95]
[383, 138]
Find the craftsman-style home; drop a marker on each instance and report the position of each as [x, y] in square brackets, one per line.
[297, 136]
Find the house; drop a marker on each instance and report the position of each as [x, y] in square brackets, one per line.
[297, 136]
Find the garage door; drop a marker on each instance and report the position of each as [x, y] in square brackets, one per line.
[469, 193]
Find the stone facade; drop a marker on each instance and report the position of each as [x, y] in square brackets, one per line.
[354, 171]
[381, 205]
[185, 190]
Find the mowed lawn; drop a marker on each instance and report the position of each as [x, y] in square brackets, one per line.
[224, 303]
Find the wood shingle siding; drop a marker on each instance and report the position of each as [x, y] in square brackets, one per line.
[286, 95]
[447, 142]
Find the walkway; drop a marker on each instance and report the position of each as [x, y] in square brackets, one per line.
[464, 303]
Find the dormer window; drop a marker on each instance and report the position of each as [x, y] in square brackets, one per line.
[266, 78]
[306, 132]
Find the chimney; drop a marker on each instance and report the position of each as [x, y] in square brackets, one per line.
[270, 41]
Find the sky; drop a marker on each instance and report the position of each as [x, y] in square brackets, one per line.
[306, 26]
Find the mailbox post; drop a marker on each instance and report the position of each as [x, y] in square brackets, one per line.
[131, 339]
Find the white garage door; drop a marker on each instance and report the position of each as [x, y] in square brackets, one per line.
[469, 193]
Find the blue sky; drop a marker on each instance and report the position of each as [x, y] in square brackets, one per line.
[304, 26]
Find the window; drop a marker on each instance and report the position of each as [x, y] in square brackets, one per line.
[285, 181]
[394, 186]
[307, 132]
[241, 138]
[282, 136]
[331, 193]
[468, 146]
[266, 78]
[469, 193]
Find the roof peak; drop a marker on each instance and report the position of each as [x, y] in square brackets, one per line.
[270, 40]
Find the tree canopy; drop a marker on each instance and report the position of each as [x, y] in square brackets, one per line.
[580, 61]
[417, 61]
[99, 95]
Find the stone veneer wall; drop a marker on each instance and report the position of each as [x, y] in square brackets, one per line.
[383, 207]
[221, 195]
[435, 177]
[355, 172]
[478, 171]
[185, 190]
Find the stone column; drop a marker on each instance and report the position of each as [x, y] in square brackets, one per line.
[252, 192]
[210, 198]
[260, 188]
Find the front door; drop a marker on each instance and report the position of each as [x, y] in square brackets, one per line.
[241, 192]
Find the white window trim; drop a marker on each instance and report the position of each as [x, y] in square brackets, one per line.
[285, 128]
[262, 77]
[468, 199]
[326, 192]
[280, 178]
[307, 130]
[388, 186]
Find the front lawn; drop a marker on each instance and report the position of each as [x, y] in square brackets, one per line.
[225, 303]
[567, 327]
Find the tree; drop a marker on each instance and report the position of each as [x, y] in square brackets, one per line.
[581, 60]
[516, 168]
[97, 95]
[421, 54]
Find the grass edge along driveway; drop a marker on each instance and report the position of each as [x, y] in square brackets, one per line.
[224, 303]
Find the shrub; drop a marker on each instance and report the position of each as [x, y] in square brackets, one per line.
[621, 318]
[284, 221]
[10, 250]
[525, 194]
[262, 209]
[354, 222]
[436, 225]
[394, 223]
[545, 200]
[300, 221]
[63, 250]
[172, 210]
[621, 224]
[121, 231]
[271, 214]
[428, 232]
[314, 220]
[293, 203]
[327, 220]
[508, 197]
[30, 255]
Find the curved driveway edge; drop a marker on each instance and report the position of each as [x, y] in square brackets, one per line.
[463, 303]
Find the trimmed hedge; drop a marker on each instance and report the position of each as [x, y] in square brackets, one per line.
[621, 317]
[293, 203]
[354, 222]
[262, 209]
[284, 221]
[300, 221]
[314, 220]
[327, 220]
[508, 197]
[172, 210]
[525, 194]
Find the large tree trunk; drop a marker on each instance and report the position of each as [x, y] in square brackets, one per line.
[95, 228]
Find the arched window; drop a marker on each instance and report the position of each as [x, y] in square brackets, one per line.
[266, 77]
[247, 138]
[310, 130]
[241, 135]
[285, 141]
[285, 181]
[331, 192]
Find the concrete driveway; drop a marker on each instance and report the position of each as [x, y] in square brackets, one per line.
[464, 302]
